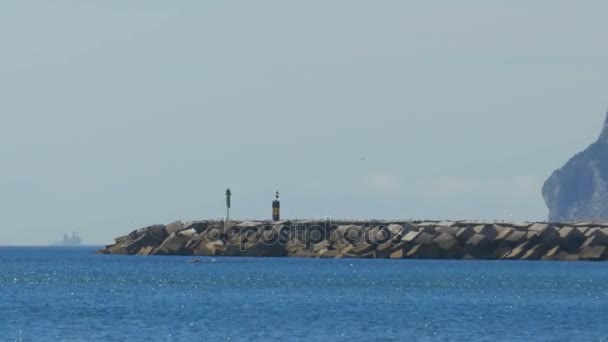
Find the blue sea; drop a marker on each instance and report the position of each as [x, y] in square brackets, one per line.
[59, 294]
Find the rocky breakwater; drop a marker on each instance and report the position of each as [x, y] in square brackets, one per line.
[395, 240]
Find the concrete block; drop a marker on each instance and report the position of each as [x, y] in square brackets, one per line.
[594, 253]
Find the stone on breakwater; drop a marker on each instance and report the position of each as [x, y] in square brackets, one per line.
[425, 239]
[463, 234]
[571, 238]
[534, 253]
[448, 245]
[517, 252]
[173, 245]
[594, 253]
[174, 227]
[479, 246]
[516, 237]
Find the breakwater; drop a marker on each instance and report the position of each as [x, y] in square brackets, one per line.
[374, 239]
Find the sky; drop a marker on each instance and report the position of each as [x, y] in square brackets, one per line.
[115, 115]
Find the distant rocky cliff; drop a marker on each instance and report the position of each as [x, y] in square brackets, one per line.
[578, 192]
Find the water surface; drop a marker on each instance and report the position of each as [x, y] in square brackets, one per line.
[73, 295]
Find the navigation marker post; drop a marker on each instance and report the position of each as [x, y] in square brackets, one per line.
[228, 194]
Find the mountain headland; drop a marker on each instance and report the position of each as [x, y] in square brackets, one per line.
[578, 192]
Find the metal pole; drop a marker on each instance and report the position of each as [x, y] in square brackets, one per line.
[228, 194]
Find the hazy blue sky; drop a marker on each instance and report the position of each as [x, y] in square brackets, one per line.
[119, 114]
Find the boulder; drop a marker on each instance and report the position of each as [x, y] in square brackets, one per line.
[398, 254]
[369, 255]
[332, 253]
[410, 237]
[486, 230]
[174, 227]
[535, 253]
[563, 256]
[320, 253]
[347, 249]
[408, 227]
[598, 238]
[500, 250]
[549, 237]
[297, 249]
[517, 252]
[538, 227]
[148, 238]
[398, 251]
[463, 234]
[571, 238]
[146, 250]
[173, 245]
[425, 239]
[447, 224]
[445, 230]
[533, 237]
[199, 226]
[158, 230]
[422, 251]
[379, 235]
[396, 230]
[321, 246]
[189, 233]
[448, 245]
[218, 228]
[590, 231]
[337, 239]
[427, 229]
[315, 234]
[114, 249]
[478, 246]
[503, 233]
[122, 239]
[338, 243]
[594, 253]
[301, 253]
[362, 248]
[349, 233]
[521, 225]
[516, 237]
[553, 254]
[384, 250]
[260, 249]
[445, 239]
[274, 234]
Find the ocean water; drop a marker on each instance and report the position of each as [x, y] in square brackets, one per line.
[56, 294]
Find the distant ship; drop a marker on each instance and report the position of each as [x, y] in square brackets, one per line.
[73, 240]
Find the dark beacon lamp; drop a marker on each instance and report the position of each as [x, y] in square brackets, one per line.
[276, 209]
